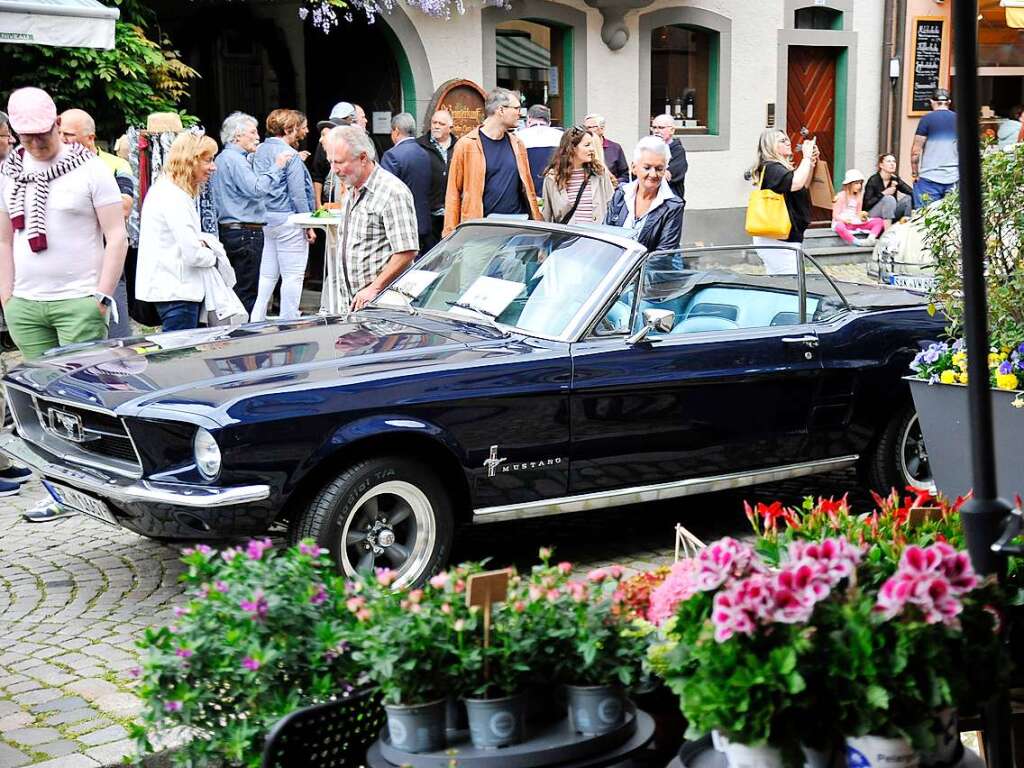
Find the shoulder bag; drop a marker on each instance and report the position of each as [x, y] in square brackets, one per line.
[766, 213]
[579, 196]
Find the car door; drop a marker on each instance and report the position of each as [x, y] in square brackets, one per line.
[729, 389]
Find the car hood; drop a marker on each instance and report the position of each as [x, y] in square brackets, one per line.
[208, 366]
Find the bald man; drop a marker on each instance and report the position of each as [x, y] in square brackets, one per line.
[78, 127]
[440, 144]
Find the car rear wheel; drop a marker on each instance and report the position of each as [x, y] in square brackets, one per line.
[387, 512]
[900, 458]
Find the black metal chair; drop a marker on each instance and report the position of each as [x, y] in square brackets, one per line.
[332, 735]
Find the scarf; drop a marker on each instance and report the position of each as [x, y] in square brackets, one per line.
[34, 223]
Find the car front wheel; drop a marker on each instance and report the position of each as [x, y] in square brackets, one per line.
[387, 512]
[900, 458]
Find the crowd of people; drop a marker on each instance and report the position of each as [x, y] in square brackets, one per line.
[65, 204]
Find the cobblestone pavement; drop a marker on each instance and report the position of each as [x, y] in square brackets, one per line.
[75, 595]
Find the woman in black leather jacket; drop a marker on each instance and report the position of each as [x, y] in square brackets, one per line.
[646, 206]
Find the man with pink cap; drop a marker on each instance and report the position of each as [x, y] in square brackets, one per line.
[62, 233]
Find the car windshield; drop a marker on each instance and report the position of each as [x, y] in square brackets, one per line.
[531, 280]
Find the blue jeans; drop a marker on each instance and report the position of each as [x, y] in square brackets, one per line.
[926, 191]
[178, 315]
[244, 248]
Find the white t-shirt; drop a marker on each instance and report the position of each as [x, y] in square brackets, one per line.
[69, 268]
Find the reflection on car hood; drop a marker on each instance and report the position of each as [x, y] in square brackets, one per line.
[206, 367]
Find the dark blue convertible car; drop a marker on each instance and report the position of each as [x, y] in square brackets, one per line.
[517, 370]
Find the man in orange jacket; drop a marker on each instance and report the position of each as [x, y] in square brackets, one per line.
[490, 171]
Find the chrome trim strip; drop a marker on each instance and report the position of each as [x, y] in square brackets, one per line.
[109, 487]
[620, 496]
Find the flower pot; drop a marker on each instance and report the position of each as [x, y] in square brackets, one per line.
[743, 756]
[496, 723]
[596, 709]
[942, 409]
[417, 727]
[880, 752]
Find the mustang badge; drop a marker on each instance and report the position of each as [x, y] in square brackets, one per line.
[492, 462]
[66, 425]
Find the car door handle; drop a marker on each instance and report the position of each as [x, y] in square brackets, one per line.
[810, 340]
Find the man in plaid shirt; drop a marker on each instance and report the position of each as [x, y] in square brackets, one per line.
[379, 237]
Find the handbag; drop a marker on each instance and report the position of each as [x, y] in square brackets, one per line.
[766, 213]
[579, 195]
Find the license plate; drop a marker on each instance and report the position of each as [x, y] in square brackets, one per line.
[80, 502]
[914, 282]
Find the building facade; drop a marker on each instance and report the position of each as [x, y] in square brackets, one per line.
[724, 68]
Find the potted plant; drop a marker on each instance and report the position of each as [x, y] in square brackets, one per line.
[899, 644]
[263, 633]
[604, 652]
[409, 643]
[940, 370]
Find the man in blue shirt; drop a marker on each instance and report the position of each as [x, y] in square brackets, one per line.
[239, 194]
[411, 164]
[934, 160]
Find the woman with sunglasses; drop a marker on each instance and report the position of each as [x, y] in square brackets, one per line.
[647, 206]
[577, 187]
[774, 169]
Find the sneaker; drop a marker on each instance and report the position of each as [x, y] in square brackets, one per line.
[15, 474]
[45, 511]
[866, 242]
[9, 489]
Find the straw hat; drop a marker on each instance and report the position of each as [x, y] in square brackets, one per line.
[851, 176]
[162, 122]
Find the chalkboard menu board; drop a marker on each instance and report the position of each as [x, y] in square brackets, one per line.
[929, 38]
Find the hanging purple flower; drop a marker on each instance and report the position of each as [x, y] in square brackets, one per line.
[250, 663]
[173, 706]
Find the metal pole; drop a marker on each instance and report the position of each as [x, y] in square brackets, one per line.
[984, 515]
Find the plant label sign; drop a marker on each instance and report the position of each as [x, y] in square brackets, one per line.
[485, 589]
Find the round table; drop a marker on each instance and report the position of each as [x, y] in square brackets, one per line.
[638, 741]
[330, 293]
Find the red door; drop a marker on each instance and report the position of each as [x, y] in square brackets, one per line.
[811, 104]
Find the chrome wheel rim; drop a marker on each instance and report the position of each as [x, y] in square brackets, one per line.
[916, 469]
[391, 526]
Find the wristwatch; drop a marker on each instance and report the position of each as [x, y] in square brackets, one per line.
[103, 299]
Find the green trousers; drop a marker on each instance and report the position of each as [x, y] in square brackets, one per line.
[39, 326]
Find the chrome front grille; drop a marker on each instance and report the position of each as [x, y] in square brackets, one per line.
[84, 435]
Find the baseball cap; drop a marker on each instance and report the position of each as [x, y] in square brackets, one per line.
[342, 114]
[941, 94]
[31, 110]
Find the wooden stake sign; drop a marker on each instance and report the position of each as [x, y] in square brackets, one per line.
[484, 590]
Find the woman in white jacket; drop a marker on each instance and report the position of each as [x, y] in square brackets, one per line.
[172, 253]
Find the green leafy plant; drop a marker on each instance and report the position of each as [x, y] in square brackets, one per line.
[416, 644]
[264, 633]
[1002, 209]
[119, 87]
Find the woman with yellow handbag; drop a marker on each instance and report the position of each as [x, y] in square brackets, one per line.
[780, 208]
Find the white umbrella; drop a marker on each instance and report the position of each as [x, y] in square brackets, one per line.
[62, 23]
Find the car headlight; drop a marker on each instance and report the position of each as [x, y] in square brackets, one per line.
[207, 454]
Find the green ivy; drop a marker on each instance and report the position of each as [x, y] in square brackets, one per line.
[119, 87]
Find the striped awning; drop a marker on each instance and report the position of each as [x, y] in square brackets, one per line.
[59, 23]
[520, 52]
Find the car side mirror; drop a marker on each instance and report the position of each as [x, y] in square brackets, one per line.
[660, 320]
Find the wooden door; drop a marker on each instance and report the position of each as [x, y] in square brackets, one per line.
[811, 104]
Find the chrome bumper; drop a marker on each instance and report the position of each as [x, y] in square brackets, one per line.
[118, 488]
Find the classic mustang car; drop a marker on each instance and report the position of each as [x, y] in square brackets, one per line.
[518, 369]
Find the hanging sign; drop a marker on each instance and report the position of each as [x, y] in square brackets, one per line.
[464, 99]
[928, 47]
